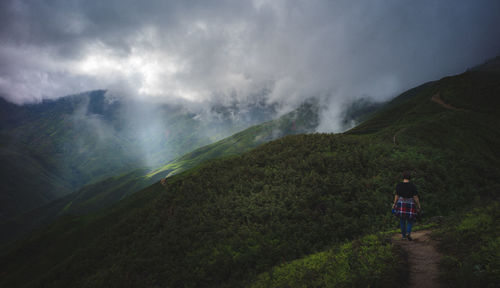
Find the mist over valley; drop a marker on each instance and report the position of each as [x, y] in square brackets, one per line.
[249, 143]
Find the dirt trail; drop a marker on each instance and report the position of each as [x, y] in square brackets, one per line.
[423, 258]
[437, 98]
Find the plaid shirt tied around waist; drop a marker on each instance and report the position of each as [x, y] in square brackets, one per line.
[406, 209]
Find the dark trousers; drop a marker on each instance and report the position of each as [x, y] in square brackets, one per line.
[405, 226]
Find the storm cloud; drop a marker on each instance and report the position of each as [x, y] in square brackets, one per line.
[281, 52]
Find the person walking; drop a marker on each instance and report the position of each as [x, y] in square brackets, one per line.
[406, 205]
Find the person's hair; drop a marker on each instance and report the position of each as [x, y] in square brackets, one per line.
[406, 175]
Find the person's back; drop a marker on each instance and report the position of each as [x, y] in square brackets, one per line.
[404, 204]
[406, 189]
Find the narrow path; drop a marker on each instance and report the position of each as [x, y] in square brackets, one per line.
[437, 98]
[423, 258]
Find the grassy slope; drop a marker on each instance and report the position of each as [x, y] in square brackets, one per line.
[55, 147]
[302, 120]
[370, 261]
[227, 221]
[39, 154]
[470, 243]
[28, 186]
[108, 191]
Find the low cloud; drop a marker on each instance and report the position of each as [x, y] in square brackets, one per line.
[196, 53]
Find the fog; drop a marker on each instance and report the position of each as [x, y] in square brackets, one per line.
[118, 129]
[204, 54]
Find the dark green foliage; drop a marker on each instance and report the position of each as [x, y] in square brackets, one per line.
[369, 262]
[392, 112]
[224, 223]
[55, 147]
[232, 219]
[471, 247]
[104, 193]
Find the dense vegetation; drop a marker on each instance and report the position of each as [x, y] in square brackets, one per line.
[235, 221]
[110, 190]
[55, 147]
[368, 262]
[471, 246]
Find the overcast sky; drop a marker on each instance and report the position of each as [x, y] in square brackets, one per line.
[220, 51]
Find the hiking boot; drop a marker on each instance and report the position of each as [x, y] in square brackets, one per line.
[409, 238]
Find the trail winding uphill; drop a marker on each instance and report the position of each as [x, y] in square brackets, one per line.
[423, 259]
[437, 99]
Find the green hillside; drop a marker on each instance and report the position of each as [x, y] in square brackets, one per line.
[302, 120]
[110, 190]
[52, 148]
[233, 222]
[370, 261]
[27, 182]
[470, 244]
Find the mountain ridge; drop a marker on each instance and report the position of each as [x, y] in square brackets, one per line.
[84, 138]
[228, 220]
[104, 193]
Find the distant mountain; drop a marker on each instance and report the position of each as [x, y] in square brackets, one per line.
[55, 147]
[227, 221]
[110, 190]
[106, 192]
[303, 120]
